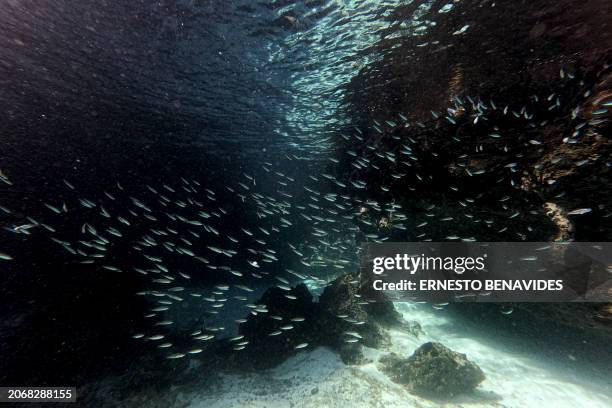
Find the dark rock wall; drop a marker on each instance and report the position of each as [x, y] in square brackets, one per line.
[548, 63]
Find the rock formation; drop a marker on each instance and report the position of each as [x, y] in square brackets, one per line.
[339, 311]
[434, 371]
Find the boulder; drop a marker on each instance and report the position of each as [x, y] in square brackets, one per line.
[341, 320]
[434, 371]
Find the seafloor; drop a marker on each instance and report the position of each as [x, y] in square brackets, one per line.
[518, 374]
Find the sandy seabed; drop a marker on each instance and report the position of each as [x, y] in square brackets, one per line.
[317, 378]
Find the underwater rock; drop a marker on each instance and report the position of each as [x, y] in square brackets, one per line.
[340, 320]
[384, 313]
[532, 129]
[351, 354]
[342, 299]
[266, 347]
[434, 371]
[564, 224]
[593, 320]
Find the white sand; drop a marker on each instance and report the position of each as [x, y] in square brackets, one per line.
[317, 378]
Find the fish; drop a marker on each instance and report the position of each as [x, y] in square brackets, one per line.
[5, 257]
[462, 30]
[580, 211]
[155, 337]
[52, 208]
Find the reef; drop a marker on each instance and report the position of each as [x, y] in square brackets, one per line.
[341, 320]
[434, 371]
